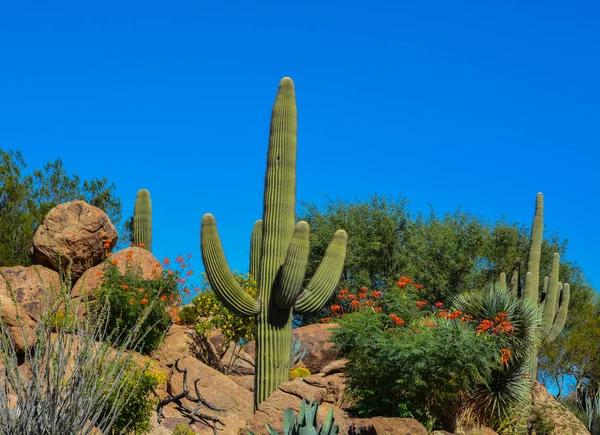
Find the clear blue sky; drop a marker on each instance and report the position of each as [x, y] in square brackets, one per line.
[474, 104]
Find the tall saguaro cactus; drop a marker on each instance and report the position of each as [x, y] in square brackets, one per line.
[142, 220]
[278, 256]
[553, 302]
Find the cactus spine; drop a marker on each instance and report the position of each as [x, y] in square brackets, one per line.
[553, 302]
[142, 220]
[279, 255]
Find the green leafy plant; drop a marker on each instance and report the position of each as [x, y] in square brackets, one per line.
[305, 423]
[128, 295]
[278, 256]
[183, 429]
[410, 358]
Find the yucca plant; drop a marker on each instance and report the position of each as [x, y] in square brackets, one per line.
[306, 422]
[509, 388]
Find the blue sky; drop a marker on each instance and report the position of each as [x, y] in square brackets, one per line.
[464, 103]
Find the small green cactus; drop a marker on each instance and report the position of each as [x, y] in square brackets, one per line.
[142, 220]
[305, 423]
[298, 351]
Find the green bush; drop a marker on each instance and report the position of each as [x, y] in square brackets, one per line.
[214, 314]
[411, 359]
[188, 315]
[183, 429]
[137, 384]
[129, 295]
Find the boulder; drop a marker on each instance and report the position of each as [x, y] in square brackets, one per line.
[218, 390]
[77, 231]
[555, 418]
[31, 287]
[19, 324]
[246, 381]
[315, 338]
[182, 340]
[387, 426]
[130, 258]
[237, 362]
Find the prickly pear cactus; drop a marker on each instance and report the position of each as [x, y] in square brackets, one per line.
[278, 257]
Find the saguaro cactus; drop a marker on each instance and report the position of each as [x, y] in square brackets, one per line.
[279, 255]
[142, 220]
[553, 301]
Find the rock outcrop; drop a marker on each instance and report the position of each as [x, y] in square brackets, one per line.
[32, 287]
[77, 231]
[555, 418]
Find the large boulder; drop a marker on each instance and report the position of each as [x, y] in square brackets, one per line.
[78, 232]
[217, 389]
[387, 426]
[19, 324]
[33, 287]
[315, 338]
[555, 418]
[130, 258]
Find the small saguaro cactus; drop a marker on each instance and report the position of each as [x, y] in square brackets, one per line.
[142, 220]
[553, 301]
[278, 257]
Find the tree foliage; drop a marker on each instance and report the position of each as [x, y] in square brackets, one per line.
[26, 198]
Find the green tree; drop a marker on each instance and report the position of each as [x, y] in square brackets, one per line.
[25, 199]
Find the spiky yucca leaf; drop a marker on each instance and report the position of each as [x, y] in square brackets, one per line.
[510, 388]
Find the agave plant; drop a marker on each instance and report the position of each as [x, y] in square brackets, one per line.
[508, 388]
[298, 351]
[305, 422]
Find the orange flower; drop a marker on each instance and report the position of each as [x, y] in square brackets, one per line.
[177, 319]
[102, 235]
[163, 298]
[325, 320]
[106, 245]
[335, 308]
[108, 254]
[186, 290]
[170, 273]
[362, 295]
[141, 290]
[355, 303]
[351, 297]
[506, 354]
[418, 286]
[455, 314]
[189, 272]
[421, 304]
[397, 320]
[364, 289]
[378, 309]
[99, 273]
[443, 313]
[141, 245]
[439, 304]
[466, 318]
[144, 301]
[344, 291]
[369, 303]
[179, 259]
[376, 294]
[429, 324]
[114, 262]
[166, 261]
[125, 286]
[131, 301]
[485, 326]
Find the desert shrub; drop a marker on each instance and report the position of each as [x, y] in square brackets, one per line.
[409, 358]
[130, 294]
[188, 315]
[183, 429]
[65, 382]
[138, 384]
[213, 314]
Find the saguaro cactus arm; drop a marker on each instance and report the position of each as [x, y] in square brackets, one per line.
[323, 283]
[288, 283]
[220, 277]
[255, 247]
[535, 252]
[561, 315]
